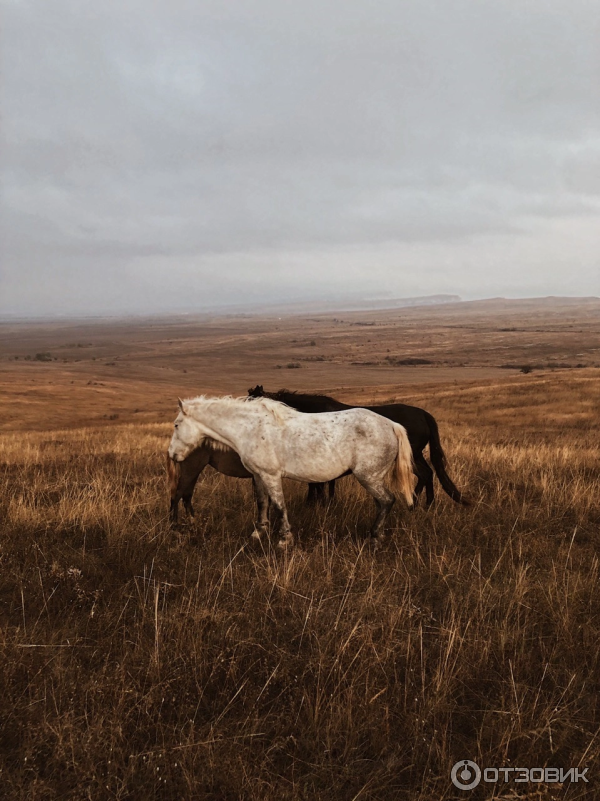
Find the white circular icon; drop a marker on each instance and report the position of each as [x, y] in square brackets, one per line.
[465, 774]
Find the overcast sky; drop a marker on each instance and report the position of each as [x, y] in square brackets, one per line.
[176, 155]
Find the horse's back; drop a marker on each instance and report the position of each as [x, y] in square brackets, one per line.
[337, 424]
[332, 443]
[359, 415]
[413, 418]
[309, 404]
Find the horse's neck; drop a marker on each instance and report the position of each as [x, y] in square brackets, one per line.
[224, 425]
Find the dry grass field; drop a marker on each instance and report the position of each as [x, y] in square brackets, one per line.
[142, 662]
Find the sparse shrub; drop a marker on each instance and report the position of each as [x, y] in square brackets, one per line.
[524, 368]
[407, 360]
[43, 357]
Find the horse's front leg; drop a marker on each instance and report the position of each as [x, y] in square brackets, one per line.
[174, 511]
[187, 505]
[275, 491]
[183, 477]
[262, 503]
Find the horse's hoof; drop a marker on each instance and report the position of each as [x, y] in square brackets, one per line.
[377, 541]
[256, 535]
[286, 542]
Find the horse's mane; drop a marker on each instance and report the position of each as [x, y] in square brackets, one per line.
[307, 395]
[278, 409]
[215, 445]
[306, 401]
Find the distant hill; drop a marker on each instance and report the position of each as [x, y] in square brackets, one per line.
[348, 304]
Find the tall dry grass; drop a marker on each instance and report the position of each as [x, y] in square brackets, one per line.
[142, 662]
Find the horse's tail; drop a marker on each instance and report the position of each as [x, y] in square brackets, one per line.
[438, 460]
[173, 473]
[402, 470]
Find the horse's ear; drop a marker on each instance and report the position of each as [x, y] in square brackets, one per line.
[260, 389]
[180, 402]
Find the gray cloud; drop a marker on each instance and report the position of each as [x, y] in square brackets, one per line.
[176, 155]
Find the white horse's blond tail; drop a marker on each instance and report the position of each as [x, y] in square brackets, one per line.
[402, 471]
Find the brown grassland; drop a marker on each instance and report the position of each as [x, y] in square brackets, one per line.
[142, 662]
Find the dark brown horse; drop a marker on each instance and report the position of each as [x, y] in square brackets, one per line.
[420, 426]
[184, 475]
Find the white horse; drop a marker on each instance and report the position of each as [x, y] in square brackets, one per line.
[275, 441]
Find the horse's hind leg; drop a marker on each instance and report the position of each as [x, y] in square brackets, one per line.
[384, 500]
[429, 492]
[424, 474]
[316, 493]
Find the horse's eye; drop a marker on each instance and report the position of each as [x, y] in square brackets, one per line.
[176, 425]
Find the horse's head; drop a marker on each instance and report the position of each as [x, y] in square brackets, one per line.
[187, 435]
[257, 392]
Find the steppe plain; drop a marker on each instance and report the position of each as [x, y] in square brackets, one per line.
[140, 661]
